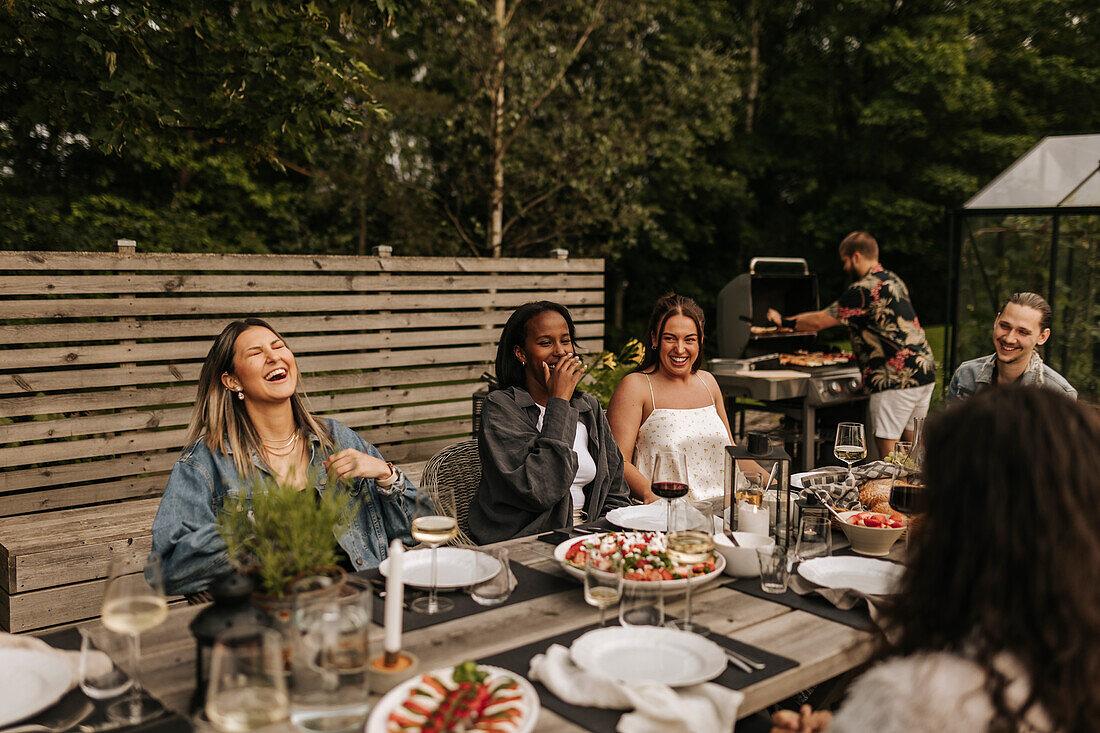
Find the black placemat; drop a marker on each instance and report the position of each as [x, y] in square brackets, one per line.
[858, 617]
[530, 583]
[581, 530]
[518, 660]
[69, 639]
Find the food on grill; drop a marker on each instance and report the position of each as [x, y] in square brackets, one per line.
[765, 330]
[804, 358]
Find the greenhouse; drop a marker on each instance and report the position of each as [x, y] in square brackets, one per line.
[1035, 227]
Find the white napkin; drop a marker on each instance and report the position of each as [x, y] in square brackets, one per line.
[656, 708]
[100, 662]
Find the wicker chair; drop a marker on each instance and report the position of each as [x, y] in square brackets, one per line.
[457, 467]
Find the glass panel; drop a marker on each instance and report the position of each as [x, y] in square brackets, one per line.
[1074, 348]
[1043, 176]
[1088, 194]
[1000, 256]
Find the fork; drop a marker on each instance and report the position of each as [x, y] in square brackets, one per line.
[754, 663]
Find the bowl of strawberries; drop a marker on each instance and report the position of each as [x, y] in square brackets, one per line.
[872, 533]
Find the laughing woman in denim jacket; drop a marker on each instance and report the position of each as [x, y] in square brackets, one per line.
[249, 419]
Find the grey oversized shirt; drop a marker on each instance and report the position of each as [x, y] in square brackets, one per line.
[526, 472]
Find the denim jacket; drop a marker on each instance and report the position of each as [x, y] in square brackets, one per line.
[193, 553]
[980, 373]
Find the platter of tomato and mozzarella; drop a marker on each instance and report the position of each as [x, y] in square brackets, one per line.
[470, 696]
[645, 559]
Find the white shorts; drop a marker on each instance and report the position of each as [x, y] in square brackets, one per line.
[894, 410]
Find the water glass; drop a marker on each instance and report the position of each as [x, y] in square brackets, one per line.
[494, 590]
[247, 687]
[100, 675]
[330, 688]
[814, 537]
[642, 606]
[603, 582]
[774, 568]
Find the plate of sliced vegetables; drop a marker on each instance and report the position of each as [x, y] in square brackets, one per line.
[645, 559]
[469, 696]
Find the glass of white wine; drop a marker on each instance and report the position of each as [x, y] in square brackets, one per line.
[603, 581]
[691, 543]
[132, 603]
[432, 526]
[850, 446]
[247, 681]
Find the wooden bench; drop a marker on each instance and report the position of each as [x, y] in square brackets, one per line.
[100, 353]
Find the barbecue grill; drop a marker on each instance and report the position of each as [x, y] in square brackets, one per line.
[749, 365]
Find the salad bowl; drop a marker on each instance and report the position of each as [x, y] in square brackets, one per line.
[652, 553]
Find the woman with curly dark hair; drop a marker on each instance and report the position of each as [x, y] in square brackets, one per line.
[997, 626]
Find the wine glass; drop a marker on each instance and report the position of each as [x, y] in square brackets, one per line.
[690, 542]
[850, 446]
[603, 581]
[432, 526]
[132, 603]
[907, 494]
[247, 680]
[815, 537]
[669, 479]
[100, 676]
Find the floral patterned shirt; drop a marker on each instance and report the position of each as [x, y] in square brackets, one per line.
[888, 341]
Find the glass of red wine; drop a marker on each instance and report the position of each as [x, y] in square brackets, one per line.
[669, 480]
[908, 493]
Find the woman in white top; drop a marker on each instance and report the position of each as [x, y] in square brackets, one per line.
[669, 402]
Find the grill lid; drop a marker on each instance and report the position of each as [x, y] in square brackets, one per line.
[745, 300]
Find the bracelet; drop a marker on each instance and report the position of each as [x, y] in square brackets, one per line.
[385, 483]
[790, 322]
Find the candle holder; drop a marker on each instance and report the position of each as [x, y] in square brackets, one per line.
[389, 670]
[759, 456]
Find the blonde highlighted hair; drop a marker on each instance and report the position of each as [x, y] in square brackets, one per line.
[220, 418]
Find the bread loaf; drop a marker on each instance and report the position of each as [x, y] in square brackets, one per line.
[874, 492]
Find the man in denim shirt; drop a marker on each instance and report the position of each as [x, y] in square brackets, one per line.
[1021, 325]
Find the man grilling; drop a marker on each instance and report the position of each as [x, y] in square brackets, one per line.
[897, 365]
[1021, 325]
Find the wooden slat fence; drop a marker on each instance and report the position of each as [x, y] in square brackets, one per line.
[100, 353]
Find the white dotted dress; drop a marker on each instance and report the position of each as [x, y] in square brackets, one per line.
[697, 432]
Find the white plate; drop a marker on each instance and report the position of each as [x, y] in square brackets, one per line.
[861, 574]
[652, 517]
[456, 567]
[30, 682]
[644, 654]
[529, 702]
[678, 584]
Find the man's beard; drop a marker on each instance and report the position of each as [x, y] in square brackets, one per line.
[852, 276]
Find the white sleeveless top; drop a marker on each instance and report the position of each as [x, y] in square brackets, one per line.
[697, 432]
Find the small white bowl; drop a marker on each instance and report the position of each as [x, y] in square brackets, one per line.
[741, 561]
[873, 541]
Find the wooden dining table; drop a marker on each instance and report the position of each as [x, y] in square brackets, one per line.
[822, 648]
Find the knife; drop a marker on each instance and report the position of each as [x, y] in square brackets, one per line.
[737, 662]
[747, 660]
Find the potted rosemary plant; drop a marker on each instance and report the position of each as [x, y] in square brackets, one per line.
[280, 535]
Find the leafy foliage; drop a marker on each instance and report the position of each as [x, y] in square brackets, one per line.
[281, 533]
[609, 369]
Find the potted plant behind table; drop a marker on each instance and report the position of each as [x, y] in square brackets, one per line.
[280, 535]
